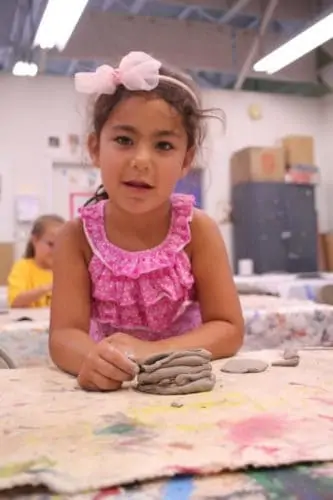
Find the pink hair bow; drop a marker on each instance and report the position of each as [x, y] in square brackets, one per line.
[136, 71]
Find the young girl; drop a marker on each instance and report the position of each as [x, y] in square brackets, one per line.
[141, 271]
[30, 280]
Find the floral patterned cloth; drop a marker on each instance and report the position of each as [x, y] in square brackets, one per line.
[148, 293]
[287, 286]
[26, 343]
[270, 323]
[273, 322]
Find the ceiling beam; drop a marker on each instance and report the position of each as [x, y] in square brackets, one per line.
[105, 36]
[34, 13]
[288, 10]
[237, 7]
[266, 18]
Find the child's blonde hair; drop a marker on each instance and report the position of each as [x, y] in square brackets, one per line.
[38, 229]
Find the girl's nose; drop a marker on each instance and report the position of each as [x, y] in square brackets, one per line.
[142, 164]
[142, 160]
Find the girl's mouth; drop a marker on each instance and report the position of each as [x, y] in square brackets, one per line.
[138, 185]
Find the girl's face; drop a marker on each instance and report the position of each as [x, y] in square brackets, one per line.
[44, 245]
[142, 153]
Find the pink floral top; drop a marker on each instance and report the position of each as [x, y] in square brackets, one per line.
[149, 294]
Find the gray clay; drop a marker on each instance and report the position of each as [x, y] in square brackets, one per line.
[290, 358]
[176, 404]
[244, 366]
[179, 372]
[290, 353]
[185, 378]
[173, 372]
[179, 379]
[202, 385]
[192, 357]
[287, 362]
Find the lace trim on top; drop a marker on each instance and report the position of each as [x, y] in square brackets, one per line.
[133, 264]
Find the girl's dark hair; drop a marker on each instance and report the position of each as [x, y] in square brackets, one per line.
[175, 95]
[38, 229]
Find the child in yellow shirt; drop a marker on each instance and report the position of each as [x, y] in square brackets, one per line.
[30, 280]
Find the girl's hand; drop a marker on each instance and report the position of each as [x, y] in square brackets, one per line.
[131, 346]
[106, 368]
[45, 289]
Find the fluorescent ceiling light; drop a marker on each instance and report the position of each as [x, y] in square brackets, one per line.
[58, 23]
[22, 68]
[297, 47]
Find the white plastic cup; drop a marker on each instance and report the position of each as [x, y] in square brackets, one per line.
[245, 267]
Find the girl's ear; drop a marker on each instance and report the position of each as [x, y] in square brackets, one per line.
[188, 161]
[93, 148]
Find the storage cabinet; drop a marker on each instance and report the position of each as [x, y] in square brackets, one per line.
[275, 225]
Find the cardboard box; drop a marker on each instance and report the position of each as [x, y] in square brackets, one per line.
[257, 164]
[6, 261]
[298, 150]
[322, 252]
[328, 250]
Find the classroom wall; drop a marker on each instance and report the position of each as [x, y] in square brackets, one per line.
[31, 110]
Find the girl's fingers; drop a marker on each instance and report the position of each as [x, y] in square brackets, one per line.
[116, 358]
[112, 372]
[98, 382]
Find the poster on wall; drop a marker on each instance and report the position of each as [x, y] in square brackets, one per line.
[76, 201]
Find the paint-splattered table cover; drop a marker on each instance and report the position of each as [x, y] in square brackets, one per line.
[270, 323]
[54, 434]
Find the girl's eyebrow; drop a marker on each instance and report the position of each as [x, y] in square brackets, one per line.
[168, 133]
[158, 133]
[124, 128]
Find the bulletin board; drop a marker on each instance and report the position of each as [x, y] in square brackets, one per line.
[192, 184]
[76, 201]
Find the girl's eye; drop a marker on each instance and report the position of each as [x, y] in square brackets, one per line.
[165, 146]
[123, 140]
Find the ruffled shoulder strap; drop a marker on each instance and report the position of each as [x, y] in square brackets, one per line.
[182, 213]
[92, 217]
[93, 211]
